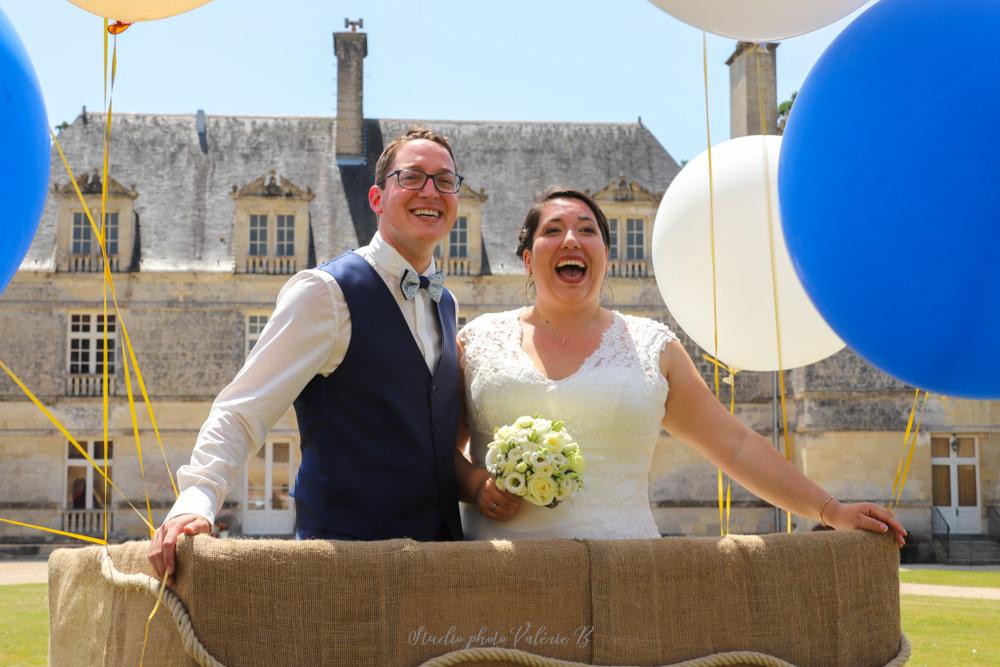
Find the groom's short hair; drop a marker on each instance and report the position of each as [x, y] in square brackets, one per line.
[389, 154]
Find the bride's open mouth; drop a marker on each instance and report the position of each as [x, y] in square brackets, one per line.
[571, 270]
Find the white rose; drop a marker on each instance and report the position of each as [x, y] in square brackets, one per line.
[544, 470]
[541, 490]
[542, 426]
[553, 441]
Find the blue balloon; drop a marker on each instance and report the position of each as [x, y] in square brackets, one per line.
[889, 185]
[24, 152]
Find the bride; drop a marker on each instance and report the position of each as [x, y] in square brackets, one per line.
[615, 380]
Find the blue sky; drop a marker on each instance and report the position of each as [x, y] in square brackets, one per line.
[546, 60]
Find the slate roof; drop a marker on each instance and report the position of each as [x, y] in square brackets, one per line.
[186, 213]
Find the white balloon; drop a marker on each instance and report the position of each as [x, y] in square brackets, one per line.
[130, 11]
[759, 20]
[683, 265]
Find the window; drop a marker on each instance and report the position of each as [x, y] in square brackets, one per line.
[111, 233]
[81, 235]
[634, 239]
[255, 325]
[258, 236]
[84, 485]
[285, 236]
[86, 344]
[458, 239]
[613, 229]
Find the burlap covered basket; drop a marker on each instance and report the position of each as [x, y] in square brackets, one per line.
[818, 599]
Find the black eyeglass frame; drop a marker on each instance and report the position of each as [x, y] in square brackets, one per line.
[432, 177]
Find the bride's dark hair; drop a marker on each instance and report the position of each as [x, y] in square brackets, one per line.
[527, 233]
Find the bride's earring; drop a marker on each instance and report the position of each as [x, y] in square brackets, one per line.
[529, 286]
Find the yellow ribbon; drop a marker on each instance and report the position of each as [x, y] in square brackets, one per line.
[898, 491]
[731, 381]
[85, 538]
[723, 512]
[69, 436]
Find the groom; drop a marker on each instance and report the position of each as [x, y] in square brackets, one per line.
[364, 345]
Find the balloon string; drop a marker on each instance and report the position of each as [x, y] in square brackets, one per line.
[759, 50]
[906, 441]
[723, 522]
[906, 454]
[731, 381]
[909, 457]
[104, 291]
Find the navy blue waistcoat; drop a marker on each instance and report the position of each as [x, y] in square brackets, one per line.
[378, 434]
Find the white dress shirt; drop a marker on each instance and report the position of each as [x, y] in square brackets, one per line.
[307, 335]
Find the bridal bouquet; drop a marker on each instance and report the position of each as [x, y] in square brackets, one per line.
[536, 459]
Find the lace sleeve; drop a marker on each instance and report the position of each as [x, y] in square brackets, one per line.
[650, 337]
[476, 338]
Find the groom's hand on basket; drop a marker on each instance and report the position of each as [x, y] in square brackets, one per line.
[496, 503]
[164, 543]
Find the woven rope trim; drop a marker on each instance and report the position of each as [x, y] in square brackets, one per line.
[197, 651]
[144, 582]
[518, 657]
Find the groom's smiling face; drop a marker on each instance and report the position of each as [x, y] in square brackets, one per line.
[414, 221]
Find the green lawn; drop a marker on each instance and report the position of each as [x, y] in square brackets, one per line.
[24, 625]
[942, 631]
[951, 631]
[950, 577]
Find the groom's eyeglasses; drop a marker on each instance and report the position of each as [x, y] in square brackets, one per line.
[445, 182]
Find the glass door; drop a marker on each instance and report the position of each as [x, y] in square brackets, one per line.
[955, 482]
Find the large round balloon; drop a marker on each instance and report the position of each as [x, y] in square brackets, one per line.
[131, 11]
[24, 151]
[745, 293]
[759, 20]
[890, 191]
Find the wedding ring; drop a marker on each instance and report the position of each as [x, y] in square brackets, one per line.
[493, 507]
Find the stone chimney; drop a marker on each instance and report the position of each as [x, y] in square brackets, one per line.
[752, 73]
[350, 49]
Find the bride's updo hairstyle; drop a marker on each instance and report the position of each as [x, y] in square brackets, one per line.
[527, 234]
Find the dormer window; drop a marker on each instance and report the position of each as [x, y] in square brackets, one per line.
[272, 215]
[630, 209]
[460, 254]
[78, 249]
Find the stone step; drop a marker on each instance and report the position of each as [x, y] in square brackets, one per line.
[964, 550]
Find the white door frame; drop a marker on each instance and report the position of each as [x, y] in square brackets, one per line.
[961, 520]
[269, 521]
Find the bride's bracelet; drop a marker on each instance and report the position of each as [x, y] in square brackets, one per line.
[823, 507]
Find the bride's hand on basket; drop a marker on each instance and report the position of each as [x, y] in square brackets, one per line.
[496, 503]
[866, 516]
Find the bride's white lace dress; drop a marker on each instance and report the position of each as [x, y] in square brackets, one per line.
[612, 405]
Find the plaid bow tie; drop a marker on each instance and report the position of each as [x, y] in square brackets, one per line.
[411, 282]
